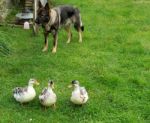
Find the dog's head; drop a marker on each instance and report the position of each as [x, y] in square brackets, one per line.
[43, 14]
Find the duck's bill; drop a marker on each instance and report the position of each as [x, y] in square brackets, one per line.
[69, 86]
[37, 83]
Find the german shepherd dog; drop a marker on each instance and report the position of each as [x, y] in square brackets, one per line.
[53, 19]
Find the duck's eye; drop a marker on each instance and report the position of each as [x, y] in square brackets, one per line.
[32, 80]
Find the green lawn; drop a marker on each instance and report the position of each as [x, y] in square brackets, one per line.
[113, 63]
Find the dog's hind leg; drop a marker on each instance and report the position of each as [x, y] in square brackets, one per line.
[46, 42]
[78, 26]
[55, 36]
[80, 35]
[68, 29]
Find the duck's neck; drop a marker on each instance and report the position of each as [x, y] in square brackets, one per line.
[76, 87]
[50, 89]
[30, 85]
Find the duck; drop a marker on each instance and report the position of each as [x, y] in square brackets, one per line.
[79, 94]
[48, 97]
[25, 94]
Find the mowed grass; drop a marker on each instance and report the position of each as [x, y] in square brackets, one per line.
[113, 63]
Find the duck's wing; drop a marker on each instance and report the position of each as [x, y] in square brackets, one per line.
[44, 94]
[83, 91]
[83, 94]
[20, 90]
[44, 91]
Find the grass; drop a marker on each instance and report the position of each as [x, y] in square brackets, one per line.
[113, 63]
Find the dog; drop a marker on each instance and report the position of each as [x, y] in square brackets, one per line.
[55, 18]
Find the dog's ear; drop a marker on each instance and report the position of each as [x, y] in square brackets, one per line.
[40, 4]
[47, 6]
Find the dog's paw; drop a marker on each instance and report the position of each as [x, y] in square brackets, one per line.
[68, 42]
[54, 50]
[44, 49]
[80, 41]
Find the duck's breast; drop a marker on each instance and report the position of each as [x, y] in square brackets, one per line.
[75, 98]
[30, 94]
[50, 98]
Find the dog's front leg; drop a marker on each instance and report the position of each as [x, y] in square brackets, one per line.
[80, 35]
[46, 41]
[55, 36]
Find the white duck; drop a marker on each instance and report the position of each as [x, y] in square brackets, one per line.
[79, 94]
[48, 97]
[25, 94]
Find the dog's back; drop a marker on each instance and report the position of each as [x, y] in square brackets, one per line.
[70, 14]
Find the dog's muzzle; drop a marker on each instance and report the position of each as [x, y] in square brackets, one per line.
[42, 20]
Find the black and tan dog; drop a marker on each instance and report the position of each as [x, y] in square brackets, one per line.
[53, 19]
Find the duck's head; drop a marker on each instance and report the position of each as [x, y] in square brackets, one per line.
[74, 84]
[33, 82]
[51, 84]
